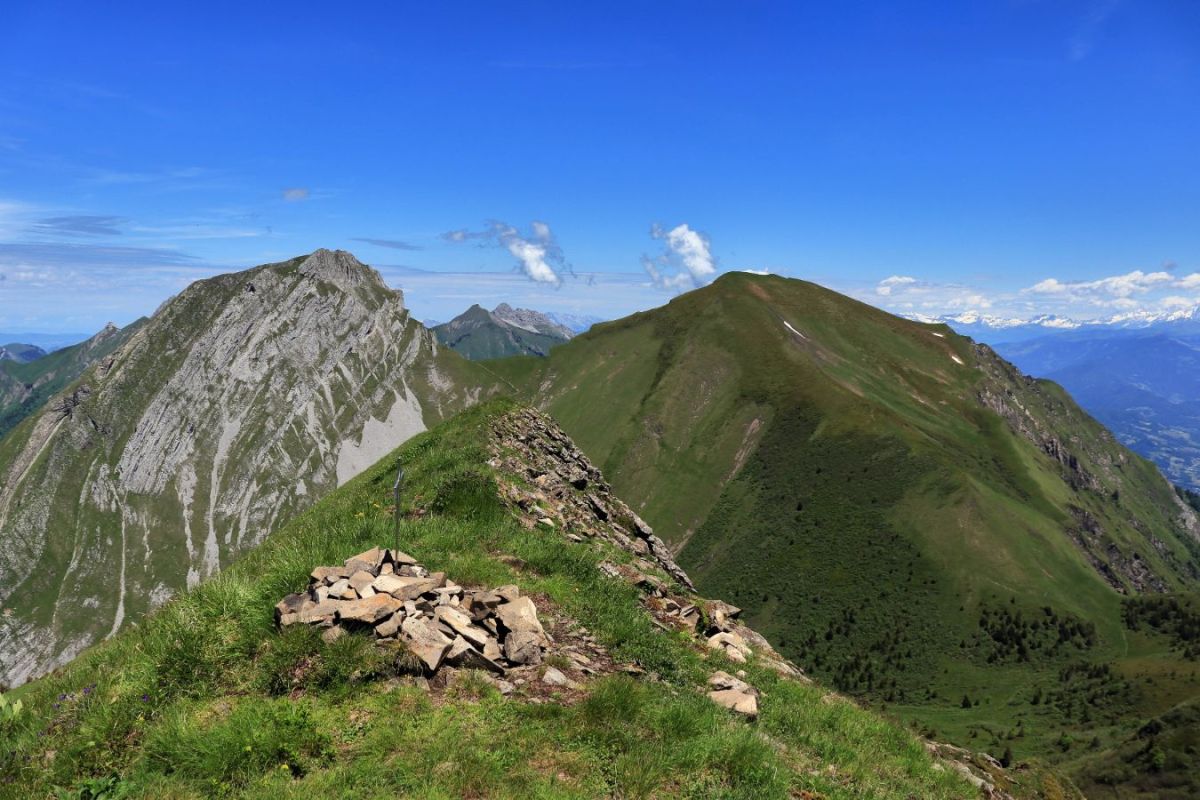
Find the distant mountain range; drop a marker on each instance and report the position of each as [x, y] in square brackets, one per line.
[996, 330]
[576, 322]
[49, 342]
[20, 352]
[1143, 384]
[1135, 372]
[504, 331]
[26, 384]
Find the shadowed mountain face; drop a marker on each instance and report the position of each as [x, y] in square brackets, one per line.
[1144, 386]
[240, 402]
[898, 509]
[479, 334]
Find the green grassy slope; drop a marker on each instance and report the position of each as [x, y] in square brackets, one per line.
[26, 386]
[206, 698]
[478, 335]
[899, 510]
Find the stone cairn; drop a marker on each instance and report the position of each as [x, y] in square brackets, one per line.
[389, 593]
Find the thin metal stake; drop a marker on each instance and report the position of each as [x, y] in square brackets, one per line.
[396, 504]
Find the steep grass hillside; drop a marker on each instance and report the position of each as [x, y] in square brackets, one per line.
[240, 402]
[207, 698]
[897, 508]
[26, 385]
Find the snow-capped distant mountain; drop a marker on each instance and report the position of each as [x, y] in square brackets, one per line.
[1001, 330]
[1148, 319]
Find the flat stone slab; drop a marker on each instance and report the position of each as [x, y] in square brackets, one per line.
[370, 610]
[361, 580]
[426, 641]
[318, 613]
[735, 700]
[462, 624]
[404, 588]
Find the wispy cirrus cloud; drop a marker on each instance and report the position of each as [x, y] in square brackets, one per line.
[538, 253]
[79, 225]
[80, 286]
[685, 262]
[391, 244]
[116, 177]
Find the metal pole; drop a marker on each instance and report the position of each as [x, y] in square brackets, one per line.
[396, 505]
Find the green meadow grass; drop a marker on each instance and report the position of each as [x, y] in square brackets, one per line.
[204, 698]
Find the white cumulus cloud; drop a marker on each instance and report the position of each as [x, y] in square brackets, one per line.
[887, 285]
[538, 253]
[1114, 286]
[685, 262]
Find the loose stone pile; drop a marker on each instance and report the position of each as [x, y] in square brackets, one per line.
[389, 593]
[566, 491]
[712, 621]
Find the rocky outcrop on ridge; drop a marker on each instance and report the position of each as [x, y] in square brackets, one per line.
[567, 492]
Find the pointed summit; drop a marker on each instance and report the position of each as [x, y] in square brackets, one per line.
[340, 268]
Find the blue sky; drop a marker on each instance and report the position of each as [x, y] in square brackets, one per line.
[1013, 157]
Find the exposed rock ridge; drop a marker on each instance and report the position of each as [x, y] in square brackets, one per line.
[532, 445]
[996, 393]
[534, 321]
[342, 269]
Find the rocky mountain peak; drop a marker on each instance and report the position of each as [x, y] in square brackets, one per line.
[340, 268]
[529, 320]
